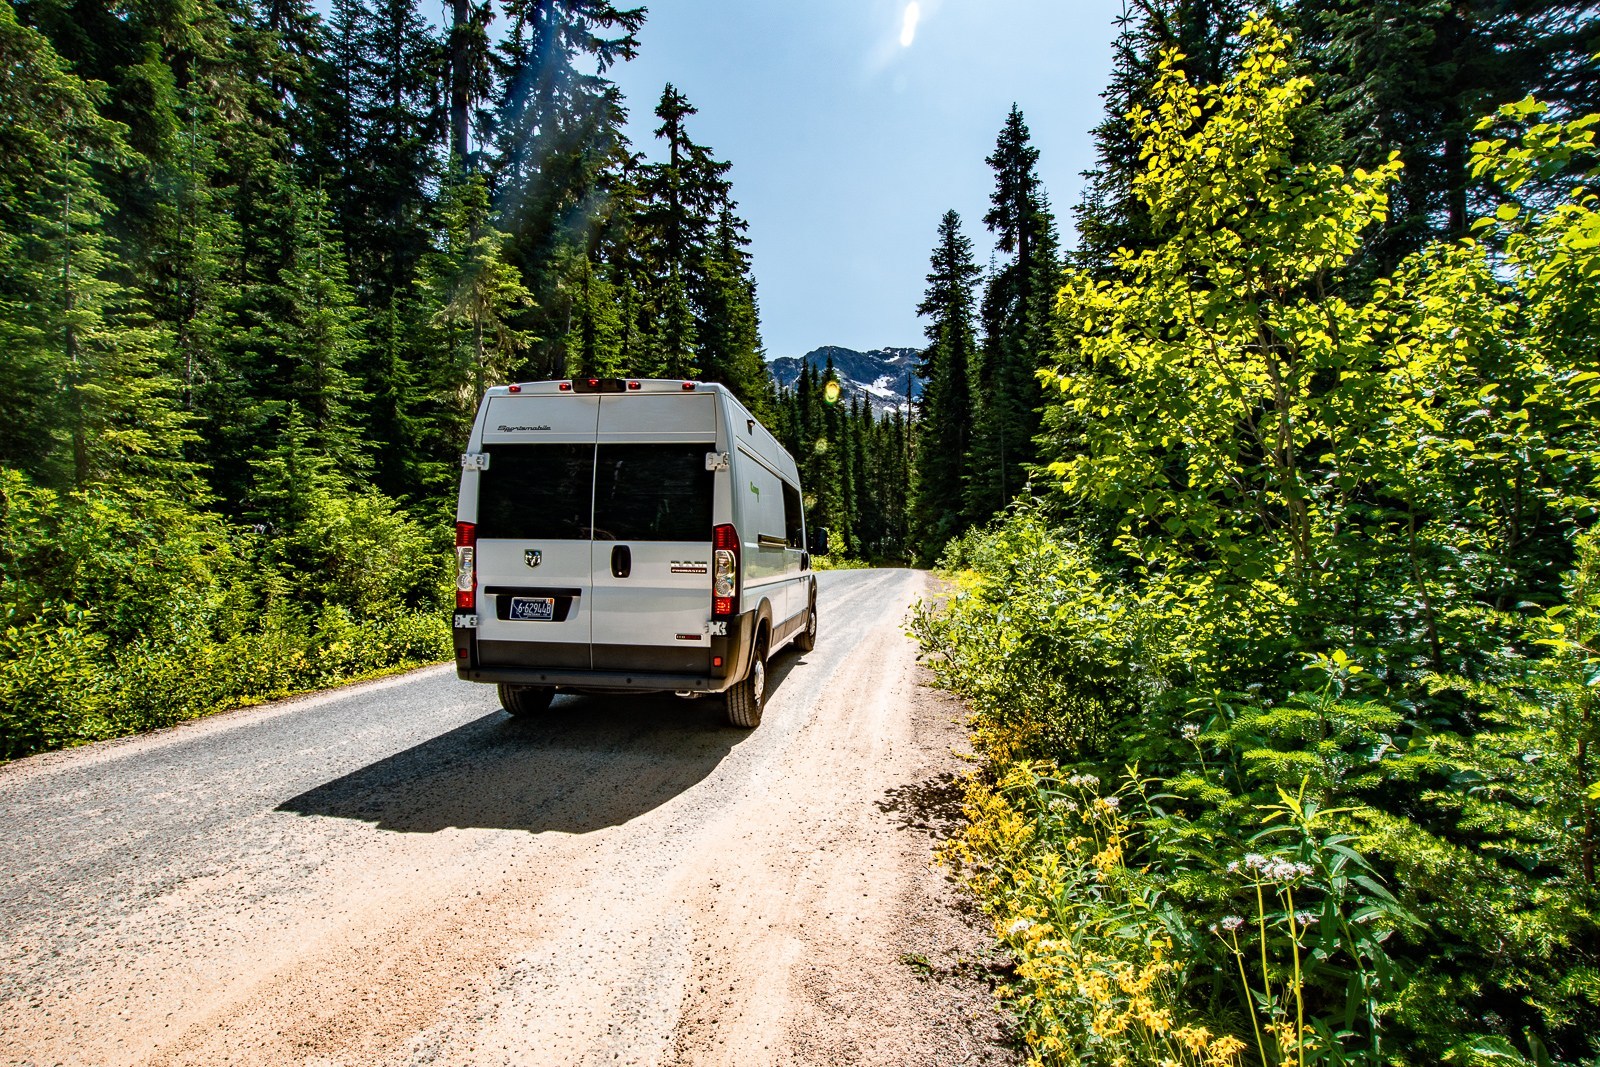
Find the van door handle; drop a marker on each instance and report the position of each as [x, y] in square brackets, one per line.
[621, 561]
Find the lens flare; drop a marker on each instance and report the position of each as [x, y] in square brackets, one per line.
[908, 26]
[831, 391]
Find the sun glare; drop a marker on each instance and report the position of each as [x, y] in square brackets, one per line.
[908, 27]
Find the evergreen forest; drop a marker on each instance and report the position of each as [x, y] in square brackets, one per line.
[1263, 492]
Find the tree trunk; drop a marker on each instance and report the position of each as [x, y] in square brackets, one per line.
[460, 79]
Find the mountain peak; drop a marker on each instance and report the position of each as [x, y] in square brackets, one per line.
[878, 377]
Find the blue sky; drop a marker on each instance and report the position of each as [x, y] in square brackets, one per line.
[847, 145]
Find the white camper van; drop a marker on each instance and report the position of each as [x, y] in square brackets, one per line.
[628, 535]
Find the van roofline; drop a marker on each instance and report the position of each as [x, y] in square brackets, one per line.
[644, 385]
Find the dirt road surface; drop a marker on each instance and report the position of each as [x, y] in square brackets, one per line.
[398, 873]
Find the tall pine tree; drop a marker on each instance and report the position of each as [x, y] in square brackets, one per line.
[1017, 312]
[943, 463]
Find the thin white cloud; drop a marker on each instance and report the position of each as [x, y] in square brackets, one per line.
[908, 24]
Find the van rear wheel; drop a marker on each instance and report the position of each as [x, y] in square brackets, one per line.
[807, 639]
[525, 700]
[748, 696]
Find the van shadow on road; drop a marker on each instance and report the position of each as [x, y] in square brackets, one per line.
[588, 763]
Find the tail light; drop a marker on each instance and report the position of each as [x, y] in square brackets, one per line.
[466, 566]
[724, 571]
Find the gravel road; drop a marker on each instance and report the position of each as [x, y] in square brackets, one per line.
[398, 873]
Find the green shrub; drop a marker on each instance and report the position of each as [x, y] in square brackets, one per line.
[124, 614]
[1473, 844]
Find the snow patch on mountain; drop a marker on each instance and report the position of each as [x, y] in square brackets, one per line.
[878, 377]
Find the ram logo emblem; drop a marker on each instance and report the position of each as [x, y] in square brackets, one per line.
[532, 557]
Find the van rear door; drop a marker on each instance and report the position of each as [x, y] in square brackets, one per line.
[651, 554]
[535, 504]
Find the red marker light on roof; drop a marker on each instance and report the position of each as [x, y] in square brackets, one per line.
[594, 383]
[514, 388]
[688, 387]
[633, 385]
[565, 387]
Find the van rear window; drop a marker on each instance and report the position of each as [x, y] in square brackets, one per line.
[536, 491]
[655, 492]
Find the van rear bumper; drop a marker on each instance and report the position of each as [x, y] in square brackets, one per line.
[580, 679]
[541, 664]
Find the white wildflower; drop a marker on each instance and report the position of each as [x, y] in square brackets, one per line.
[1231, 923]
[1019, 927]
[1274, 870]
[1190, 731]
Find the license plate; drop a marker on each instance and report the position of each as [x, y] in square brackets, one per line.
[533, 608]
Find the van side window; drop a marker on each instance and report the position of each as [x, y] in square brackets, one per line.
[536, 491]
[655, 492]
[793, 517]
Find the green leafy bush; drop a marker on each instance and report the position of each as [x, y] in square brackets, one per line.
[1453, 862]
[1314, 617]
[124, 614]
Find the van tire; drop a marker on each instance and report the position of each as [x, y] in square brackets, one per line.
[526, 700]
[806, 640]
[748, 696]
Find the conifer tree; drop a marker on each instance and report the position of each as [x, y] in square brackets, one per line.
[868, 499]
[469, 69]
[393, 161]
[557, 131]
[285, 41]
[685, 192]
[314, 334]
[674, 340]
[943, 464]
[394, 413]
[681, 196]
[1393, 75]
[1415, 76]
[1017, 313]
[818, 457]
[87, 402]
[477, 293]
[730, 337]
[595, 332]
[1206, 32]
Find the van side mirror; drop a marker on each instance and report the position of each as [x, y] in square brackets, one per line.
[819, 541]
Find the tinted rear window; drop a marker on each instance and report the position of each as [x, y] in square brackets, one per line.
[536, 491]
[793, 517]
[652, 493]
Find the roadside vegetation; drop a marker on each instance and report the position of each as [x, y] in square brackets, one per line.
[1284, 677]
